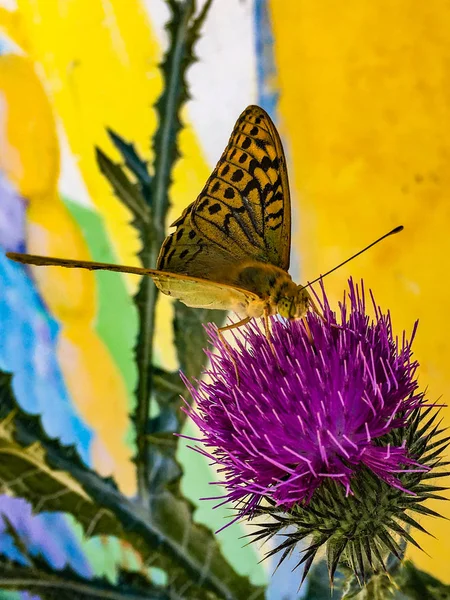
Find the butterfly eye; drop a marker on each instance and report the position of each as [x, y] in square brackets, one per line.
[284, 307]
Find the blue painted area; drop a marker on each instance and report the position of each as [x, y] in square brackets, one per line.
[27, 349]
[28, 339]
[266, 70]
[60, 548]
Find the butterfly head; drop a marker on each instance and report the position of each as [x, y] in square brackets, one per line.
[294, 306]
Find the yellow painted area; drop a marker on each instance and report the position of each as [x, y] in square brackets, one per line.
[29, 152]
[365, 90]
[99, 60]
[29, 155]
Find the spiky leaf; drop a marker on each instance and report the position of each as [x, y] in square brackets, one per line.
[183, 30]
[124, 189]
[134, 163]
[53, 478]
[50, 584]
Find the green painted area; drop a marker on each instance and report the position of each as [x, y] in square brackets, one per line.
[117, 319]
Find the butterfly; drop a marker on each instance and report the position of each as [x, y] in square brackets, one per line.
[231, 247]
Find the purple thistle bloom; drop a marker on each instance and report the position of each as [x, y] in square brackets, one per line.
[322, 410]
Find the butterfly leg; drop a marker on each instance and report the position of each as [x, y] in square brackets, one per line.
[233, 325]
[267, 330]
[227, 345]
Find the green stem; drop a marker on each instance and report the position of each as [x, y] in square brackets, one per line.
[165, 153]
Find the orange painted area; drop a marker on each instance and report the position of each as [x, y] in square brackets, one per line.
[365, 108]
[100, 393]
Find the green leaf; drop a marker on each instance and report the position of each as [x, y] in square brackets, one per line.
[124, 189]
[39, 578]
[134, 163]
[52, 477]
[168, 388]
[191, 337]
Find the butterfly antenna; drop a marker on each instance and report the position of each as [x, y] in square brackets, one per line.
[396, 230]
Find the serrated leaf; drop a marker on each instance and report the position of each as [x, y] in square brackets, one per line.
[134, 163]
[66, 584]
[124, 189]
[168, 389]
[53, 478]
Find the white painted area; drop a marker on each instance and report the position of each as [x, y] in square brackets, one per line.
[223, 82]
[71, 184]
[158, 15]
[9, 4]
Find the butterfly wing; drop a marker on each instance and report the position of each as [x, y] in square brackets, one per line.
[245, 205]
[192, 291]
[186, 252]
[243, 212]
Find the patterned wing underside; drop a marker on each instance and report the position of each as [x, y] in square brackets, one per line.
[243, 212]
[187, 253]
[192, 291]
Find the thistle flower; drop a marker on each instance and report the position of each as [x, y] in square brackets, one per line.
[330, 434]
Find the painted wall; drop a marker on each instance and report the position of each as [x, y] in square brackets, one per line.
[361, 95]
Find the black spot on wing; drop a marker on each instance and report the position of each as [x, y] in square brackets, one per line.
[276, 215]
[216, 187]
[203, 204]
[214, 209]
[266, 163]
[251, 185]
[237, 175]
